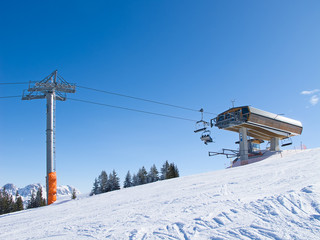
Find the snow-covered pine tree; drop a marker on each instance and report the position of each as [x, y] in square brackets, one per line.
[95, 189]
[164, 170]
[135, 180]
[153, 174]
[114, 181]
[128, 180]
[142, 176]
[103, 182]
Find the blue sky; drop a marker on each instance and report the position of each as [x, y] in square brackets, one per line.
[197, 54]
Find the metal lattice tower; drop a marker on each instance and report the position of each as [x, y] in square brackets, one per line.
[52, 88]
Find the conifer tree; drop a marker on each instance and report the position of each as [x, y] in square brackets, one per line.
[173, 171]
[39, 201]
[32, 201]
[36, 199]
[164, 170]
[128, 180]
[74, 194]
[11, 203]
[6, 202]
[135, 180]
[18, 203]
[1, 202]
[177, 171]
[110, 183]
[103, 182]
[95, 189]
[114, 181]
[153, 175]
[142, 176]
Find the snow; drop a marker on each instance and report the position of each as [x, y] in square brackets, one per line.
[277, 198]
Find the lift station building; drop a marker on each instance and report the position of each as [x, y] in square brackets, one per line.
[258, 124]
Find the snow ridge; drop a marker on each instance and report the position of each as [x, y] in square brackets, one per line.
[277, 198]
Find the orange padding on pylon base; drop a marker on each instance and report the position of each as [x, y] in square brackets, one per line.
[52, 184]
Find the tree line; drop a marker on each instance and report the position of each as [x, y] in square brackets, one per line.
[106, 183]
[167, 171]
[8, 204]
[36, 199]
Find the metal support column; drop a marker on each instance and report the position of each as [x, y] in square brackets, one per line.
[274, 144]
[243, 144]
[50, 133]
[52, 88]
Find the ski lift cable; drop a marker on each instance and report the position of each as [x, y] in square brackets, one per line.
[131, 109]
[142, 99]
[13, 83]
[121, 95]
[119, 107]
[10, 96]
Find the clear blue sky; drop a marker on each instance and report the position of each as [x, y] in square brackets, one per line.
[189, 53]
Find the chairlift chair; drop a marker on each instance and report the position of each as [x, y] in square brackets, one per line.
[205, 137]
[286, 142]
[201, 125]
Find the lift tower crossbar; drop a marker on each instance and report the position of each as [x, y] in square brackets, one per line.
[52, 88]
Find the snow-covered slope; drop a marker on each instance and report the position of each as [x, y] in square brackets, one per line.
[27, 191]
[278, 198]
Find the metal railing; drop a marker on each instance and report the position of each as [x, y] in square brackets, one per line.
[233, 119]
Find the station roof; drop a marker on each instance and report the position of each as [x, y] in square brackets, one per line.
[260, 124]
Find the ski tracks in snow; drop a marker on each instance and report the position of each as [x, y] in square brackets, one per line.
[294, 215]
[278, 198]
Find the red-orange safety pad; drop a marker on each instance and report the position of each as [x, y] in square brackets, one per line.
[52, 192]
